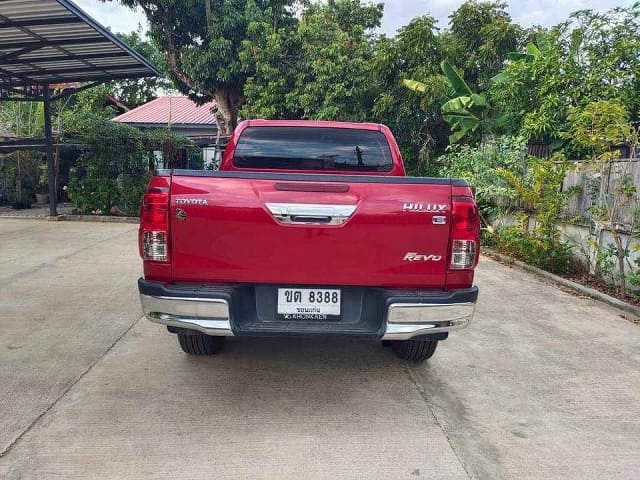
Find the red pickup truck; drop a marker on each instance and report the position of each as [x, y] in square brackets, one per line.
[309, 228]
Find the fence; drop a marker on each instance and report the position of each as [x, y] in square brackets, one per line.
[598, 188]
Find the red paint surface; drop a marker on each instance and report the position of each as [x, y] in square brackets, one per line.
[235, 239]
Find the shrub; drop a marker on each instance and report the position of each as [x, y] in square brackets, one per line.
[92, 194]
[535, 237]
[548, 254]
[111, 168]
[480, 166]
[113, 171]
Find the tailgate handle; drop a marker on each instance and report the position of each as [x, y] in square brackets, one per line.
[310, 220]
[311, 213]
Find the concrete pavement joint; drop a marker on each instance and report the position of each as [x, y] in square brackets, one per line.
[65, 217]
[95, 218]
[69, 387]
[424, 397]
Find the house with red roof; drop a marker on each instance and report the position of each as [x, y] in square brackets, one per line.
[182, 116]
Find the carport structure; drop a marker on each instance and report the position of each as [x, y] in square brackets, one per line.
[44, 43]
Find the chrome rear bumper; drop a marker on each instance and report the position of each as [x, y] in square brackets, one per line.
[407, 320]
[207, 315]
[403, 314]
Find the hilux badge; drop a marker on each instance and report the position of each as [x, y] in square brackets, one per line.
[424, 207]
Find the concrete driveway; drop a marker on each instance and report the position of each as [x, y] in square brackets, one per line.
[543, 385]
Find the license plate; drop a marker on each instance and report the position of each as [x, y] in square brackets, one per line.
[308, 303]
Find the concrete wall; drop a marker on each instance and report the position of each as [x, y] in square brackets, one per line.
[590, 182]
[582, 238]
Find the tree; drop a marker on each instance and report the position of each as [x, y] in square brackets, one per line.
[22, 119]
[599, 128]
[319, 67]
[480, 166]
[204, 42]
[535, 237]
[480, 35]
[112, 173]
[467, 112]
[415, 117]
[591, 56]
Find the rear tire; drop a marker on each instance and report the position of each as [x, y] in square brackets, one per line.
[200, 344]
[414, 350]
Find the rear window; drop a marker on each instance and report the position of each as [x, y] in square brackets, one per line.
[313, 148]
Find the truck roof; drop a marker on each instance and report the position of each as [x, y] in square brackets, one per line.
[310, 123]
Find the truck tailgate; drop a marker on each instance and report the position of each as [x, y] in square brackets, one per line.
[309, 229]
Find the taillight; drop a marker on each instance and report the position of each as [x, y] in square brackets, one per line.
[465, 232]
[155, 246]
[463, 254]
[154, 225]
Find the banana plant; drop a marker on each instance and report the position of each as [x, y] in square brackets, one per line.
[532, 53]
[466, 112]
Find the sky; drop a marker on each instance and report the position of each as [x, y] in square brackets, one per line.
[397, 12]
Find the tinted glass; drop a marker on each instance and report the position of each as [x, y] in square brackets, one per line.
[309, 148]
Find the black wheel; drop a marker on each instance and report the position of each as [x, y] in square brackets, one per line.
[200, 344]
[414, 350]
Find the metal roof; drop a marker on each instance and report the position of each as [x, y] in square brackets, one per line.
[170, 110]
[54, 41]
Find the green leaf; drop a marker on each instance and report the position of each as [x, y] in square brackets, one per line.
[455, 137]
[533, 51]
[556, 144]
[577, 36]
[457, 82]
[499, 122]
[415, 85]
[458, 104]
[456, 112]
[517, 56]
[542, 42]
[500, 78]
[479, 100]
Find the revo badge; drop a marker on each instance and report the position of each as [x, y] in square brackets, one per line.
[416, 257]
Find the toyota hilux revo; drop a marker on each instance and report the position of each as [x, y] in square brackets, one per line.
[309, 228]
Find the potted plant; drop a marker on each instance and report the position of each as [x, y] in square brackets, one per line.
[23, 195]
[42, 193]
[26, 173]
[42, 187]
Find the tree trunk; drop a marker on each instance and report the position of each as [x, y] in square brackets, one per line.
[620, 257]
[228, 99]
[207, 9]
[227, 106]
